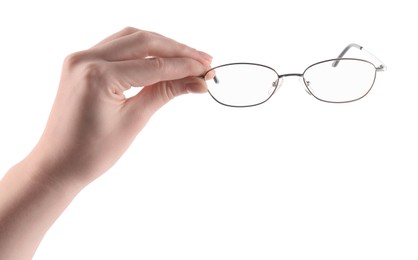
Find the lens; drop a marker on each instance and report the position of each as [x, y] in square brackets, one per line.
[241, 84]
[340, 80]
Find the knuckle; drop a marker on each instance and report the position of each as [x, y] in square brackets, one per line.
[129, 30]
[142, 35]
[144, 39]
[82, 66]
[184, 48]
[90, 73]
[168, 92]
[93, 73]
[158, 65]
[75, 59]
[91, 69]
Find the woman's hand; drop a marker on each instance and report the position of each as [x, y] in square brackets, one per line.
[90, 126]
[92, 123]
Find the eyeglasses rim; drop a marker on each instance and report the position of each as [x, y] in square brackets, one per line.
[242, 63]
[292, 74]
[340, 59]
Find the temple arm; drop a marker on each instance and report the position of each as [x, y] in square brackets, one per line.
[381, 67]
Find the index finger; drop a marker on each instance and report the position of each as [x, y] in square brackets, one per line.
[143, 44]
[123, 32]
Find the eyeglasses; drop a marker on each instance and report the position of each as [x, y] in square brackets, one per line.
[339, 80]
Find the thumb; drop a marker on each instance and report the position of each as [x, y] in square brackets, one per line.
[153, 97]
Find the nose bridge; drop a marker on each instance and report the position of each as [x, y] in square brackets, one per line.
[300, 75]
[291, 75]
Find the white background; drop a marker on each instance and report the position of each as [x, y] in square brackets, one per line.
[291, 179]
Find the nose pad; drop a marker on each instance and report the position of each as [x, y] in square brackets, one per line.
[275, 85]
[306, 84]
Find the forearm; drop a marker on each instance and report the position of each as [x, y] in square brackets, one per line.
[29, 205]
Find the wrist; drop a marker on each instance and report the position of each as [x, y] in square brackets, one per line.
[45, 173]
[30, 202]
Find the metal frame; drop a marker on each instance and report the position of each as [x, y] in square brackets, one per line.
[275, 83]
[379, 68]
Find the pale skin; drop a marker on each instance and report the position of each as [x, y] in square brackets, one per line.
[90, 126]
